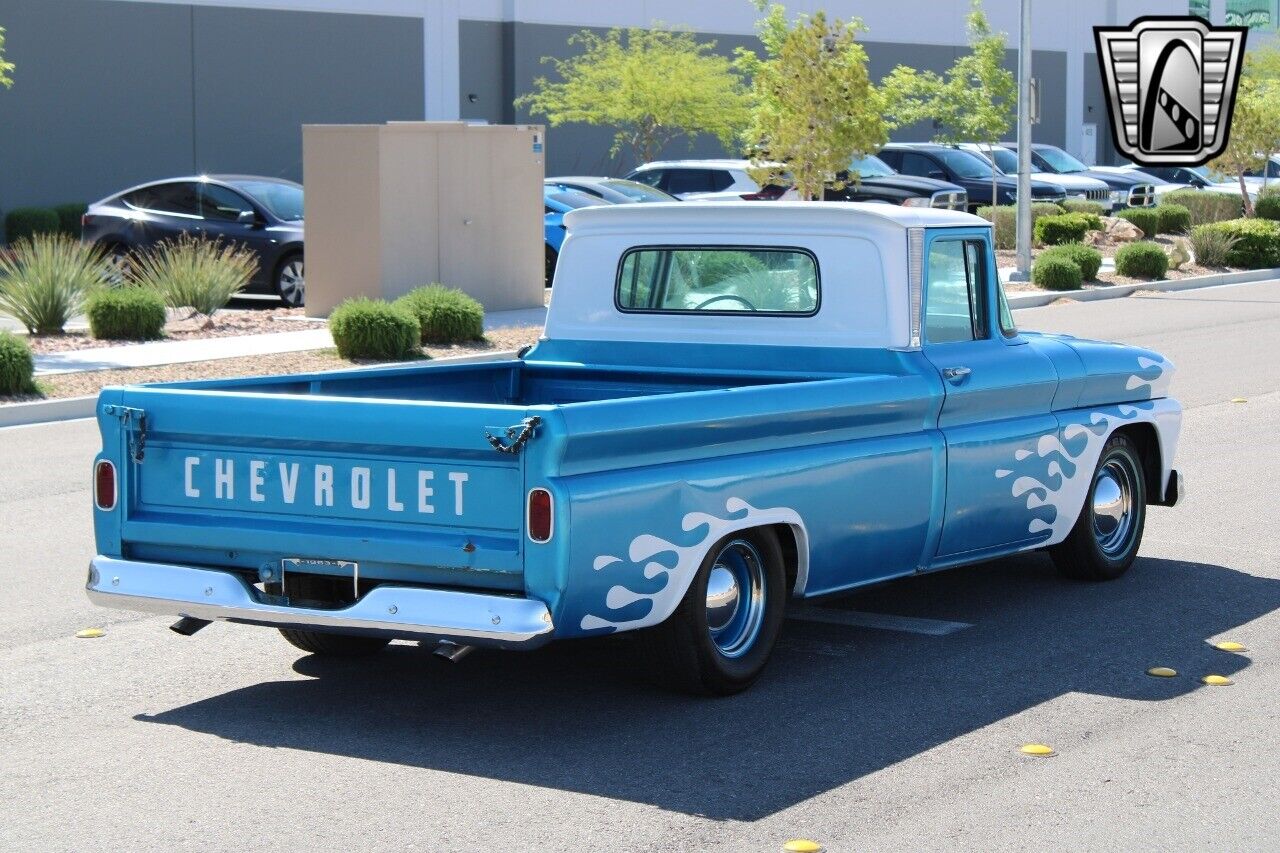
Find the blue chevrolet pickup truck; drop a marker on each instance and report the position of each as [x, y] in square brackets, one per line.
[730, 407]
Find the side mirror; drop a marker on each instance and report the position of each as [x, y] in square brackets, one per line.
[247, 217]
[938, 174]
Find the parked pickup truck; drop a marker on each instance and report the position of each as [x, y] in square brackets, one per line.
[731, 405]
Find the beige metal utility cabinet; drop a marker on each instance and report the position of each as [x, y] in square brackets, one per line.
[391, 207]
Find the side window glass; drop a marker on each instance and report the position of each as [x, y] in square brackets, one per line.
[721, 180]
[689, 181]
[915, 164]
[955, 292]
[651, 177]
[177, 198]
[221, 204]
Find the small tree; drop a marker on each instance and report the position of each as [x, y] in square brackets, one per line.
[975, 100]
[6, 68]
[1255, 133]
[815, 107]
[653, 86]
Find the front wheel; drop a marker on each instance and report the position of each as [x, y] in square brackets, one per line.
[1105, 539]
[290, 283]
[720, 637]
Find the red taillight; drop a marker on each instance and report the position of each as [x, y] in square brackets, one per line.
[85, 219]
[540, 515]
[104, 485]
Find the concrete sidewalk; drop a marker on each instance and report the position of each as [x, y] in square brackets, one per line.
[210, 349]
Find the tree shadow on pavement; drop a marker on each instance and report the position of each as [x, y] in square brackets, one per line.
[836, 703]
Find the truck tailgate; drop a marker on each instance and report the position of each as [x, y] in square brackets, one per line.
[411, 490]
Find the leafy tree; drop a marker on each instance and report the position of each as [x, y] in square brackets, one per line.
[6, 68]
[815, 107]
[653, 86]
[975, 100]
[1255, 132]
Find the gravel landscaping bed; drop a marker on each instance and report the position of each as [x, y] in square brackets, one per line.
[180, 326]
[91, 382]
[1107, 276]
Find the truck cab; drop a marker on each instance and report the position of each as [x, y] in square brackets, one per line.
[730, 406]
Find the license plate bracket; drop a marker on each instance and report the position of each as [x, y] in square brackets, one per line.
[312, 566]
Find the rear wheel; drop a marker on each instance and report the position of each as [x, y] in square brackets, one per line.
[334, 645]
[118, 260]
[1105, 539]
[290, 282]
[720, 637]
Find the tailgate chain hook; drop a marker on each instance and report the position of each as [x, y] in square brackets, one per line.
[516, 435]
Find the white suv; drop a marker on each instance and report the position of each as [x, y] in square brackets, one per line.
[698, 180]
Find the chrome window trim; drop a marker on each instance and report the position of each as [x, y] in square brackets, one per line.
[915, 281]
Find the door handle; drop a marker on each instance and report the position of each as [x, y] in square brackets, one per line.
[955, 375]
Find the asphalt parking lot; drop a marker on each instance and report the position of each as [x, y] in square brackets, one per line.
[888, 720]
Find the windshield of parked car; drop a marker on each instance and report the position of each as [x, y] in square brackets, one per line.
[1060, 161]
[1007, 161]
[572, 199]
[282, 200]
[870, 167]
[637, 191]
[966, 165]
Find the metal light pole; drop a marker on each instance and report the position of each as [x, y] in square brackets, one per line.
[1023, 272]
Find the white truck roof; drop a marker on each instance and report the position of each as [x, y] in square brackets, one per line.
[861, 249]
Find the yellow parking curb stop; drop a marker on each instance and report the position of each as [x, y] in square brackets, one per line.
[90, 633]
[1230, 646]
[1039, 750]
[802, 845]
[1162, 672]
[1217, 681]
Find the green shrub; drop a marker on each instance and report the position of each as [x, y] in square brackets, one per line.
[445, 315]
[1005, 222]
[194, 273]
[1066, 228]
[1257, 243]
[1172, 218]
[1055, 273]
[45, 279]
[23, 222]
[1087, 258]
[69, 217]
[17, 367]
[1079, 205]
[369, 328]
[1206, 206]
[126, 313]
[1142, 260]
[1268, 204]
[1045, 208]
[1212, 245]
[1144, 219]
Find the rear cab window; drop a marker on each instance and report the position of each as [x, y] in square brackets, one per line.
[718, 280]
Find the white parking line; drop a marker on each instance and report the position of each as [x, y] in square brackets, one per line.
[879, 621]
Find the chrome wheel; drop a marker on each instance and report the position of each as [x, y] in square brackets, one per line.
[1113, 506]
[736, 598]
[117, 265]
[291, 283]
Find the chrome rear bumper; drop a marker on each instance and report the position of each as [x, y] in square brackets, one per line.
[389, 611]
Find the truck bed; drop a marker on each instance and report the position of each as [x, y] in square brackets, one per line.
[501, 383]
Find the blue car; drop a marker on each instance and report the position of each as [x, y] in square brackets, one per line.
[556, 202]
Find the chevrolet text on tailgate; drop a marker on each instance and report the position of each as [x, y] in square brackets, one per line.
[731, 406]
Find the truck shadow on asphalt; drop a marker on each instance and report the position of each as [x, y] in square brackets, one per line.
[836, 703]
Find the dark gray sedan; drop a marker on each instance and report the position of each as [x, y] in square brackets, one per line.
[261, 214]
[612, 190]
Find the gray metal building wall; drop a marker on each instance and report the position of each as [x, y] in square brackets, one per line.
[109, 94]
[500, 60]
